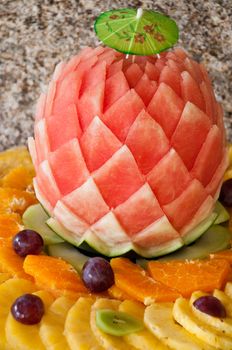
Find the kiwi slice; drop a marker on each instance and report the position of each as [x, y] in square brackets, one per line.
[216, 238]
[34, 218]
[117, 323]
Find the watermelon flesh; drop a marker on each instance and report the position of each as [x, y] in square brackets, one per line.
[129, 153]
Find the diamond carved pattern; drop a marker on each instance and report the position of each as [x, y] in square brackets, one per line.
[126, 144]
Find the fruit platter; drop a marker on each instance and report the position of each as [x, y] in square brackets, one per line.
[115, 222]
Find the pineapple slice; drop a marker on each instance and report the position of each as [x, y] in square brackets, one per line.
[222, 326]
[52, 324]
[142, 340]
[107, 341]
[225, 300]
[9, 291]
[183, 315]
[4, 276]
[25, 337]
[77, 326]
[228, 289]
[158, 318]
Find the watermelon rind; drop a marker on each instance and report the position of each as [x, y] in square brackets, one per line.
[223, 214]
[42, 200]
[163, 249]
[93, 241]
[200, 229]
[90, 239]
[54, 233]
[65, 234]
[111, 251]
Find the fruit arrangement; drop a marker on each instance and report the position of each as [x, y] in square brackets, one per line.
[128, 158]
[169, 305]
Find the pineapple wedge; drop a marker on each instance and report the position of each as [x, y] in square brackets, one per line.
[25, 337]
[158, 318]
[182, 313]
[222, 326]
[225, 300]
[4, 276]
[9, 291]
[228, 289]
[142, 340]
[52, 324]
[107, 341]
[77, 326]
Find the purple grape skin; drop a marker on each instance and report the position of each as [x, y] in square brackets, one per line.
[210, 306]
[28, 309]
[225, 196]
[27, 242]
[97, 275]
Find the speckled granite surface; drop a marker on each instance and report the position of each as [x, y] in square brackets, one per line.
[37, 34]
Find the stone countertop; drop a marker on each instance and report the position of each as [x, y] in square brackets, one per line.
[37, 34]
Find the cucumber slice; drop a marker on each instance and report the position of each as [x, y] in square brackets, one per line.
[34, 218]
[69, 253]
[117, 323]
[223, 214]
[216, 238]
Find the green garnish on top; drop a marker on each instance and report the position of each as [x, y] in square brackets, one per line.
[136, 32]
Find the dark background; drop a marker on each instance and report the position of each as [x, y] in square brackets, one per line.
[36, 34]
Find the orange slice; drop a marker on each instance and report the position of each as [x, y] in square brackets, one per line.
[117, 293]
[13, 158]
[15, 201]
[134, 281]
[10, 262]
[9, 225]
[54, 275]
[224, 254]
[20, 178]
[189, 276]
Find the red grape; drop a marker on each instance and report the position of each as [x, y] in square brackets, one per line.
[27, 242]
[97, 275]
[226, 193]
[210, 305]
[28, 309]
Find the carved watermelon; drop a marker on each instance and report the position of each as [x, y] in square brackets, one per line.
[129, 153]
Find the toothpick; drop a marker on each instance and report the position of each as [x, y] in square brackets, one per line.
[139, 13]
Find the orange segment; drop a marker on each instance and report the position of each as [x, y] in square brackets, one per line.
[13, 158]
[134, 281]
[189, 276]
[9, 225]
[117, 293]
[15, 201]
[54, 275]
[10, 262]
[20, 178]
[225, 254]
